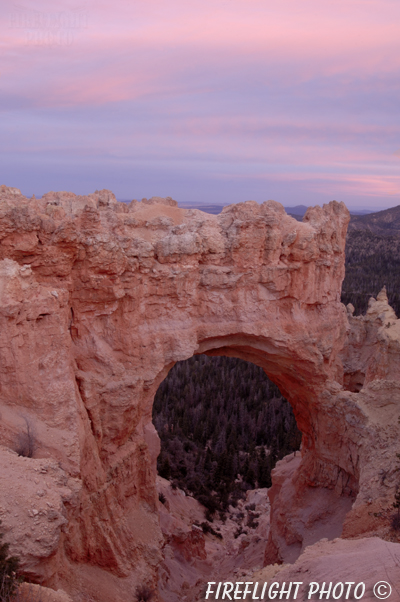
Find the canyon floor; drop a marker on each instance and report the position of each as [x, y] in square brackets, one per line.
[192, 557]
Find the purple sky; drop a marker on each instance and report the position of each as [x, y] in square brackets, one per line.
[205, 101]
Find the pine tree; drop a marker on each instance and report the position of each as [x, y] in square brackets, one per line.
[396, 503]
[165, 468]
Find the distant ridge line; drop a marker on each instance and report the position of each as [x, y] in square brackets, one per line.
[298, 211]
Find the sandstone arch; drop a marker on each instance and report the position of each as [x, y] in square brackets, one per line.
[99, 299]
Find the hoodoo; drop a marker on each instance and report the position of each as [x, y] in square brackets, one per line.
[99, 299]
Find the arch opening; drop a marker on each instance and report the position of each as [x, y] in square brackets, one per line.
[223, 426]
[302, 511]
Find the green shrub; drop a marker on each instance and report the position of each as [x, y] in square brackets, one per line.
[9, 566]
[144, 593]
[25, 444]
[207, 528]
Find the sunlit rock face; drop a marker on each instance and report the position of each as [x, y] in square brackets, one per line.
[99, 299]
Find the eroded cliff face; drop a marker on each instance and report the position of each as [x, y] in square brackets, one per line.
[98, 300]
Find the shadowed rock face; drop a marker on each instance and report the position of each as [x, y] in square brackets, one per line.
[99, 299]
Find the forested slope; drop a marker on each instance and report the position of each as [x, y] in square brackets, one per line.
[223, 424]
[372, 261]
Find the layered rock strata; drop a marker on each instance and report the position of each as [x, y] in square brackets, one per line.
[99, 299]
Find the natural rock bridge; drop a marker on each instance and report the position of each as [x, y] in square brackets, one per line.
[99, 299]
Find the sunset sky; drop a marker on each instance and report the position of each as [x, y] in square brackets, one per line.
[205, 101]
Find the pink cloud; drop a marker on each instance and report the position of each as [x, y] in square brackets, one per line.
[340, 183]
[130, 50]
[295, 90]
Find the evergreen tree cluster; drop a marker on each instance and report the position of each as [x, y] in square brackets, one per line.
[372, 261]
[223, 425]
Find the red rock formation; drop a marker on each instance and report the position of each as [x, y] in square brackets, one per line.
[99, 299]
[30, 591]
[369, 560]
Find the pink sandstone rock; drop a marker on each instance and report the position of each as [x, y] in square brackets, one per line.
[99, 299]
[369, 560]
[30, 592]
